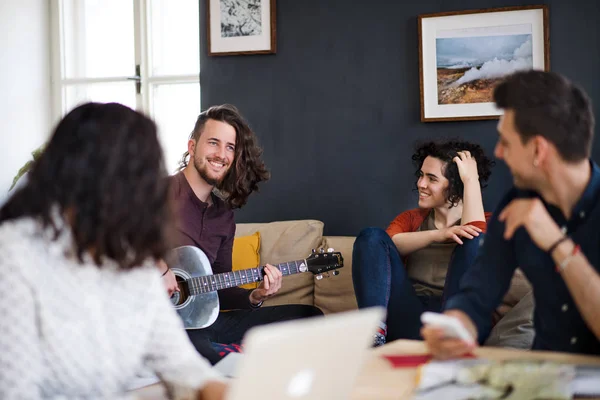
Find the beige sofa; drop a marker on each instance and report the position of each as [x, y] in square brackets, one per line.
[285, 241]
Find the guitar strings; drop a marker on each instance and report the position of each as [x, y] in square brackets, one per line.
[208, 283]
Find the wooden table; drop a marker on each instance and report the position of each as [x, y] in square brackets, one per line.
[379, 380]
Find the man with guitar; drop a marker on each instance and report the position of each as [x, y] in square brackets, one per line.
[219, 171]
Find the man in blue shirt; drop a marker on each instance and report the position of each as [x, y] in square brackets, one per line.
[548, 224]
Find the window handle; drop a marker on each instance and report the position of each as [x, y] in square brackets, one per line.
[137, 78]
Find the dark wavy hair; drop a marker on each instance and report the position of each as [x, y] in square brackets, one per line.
[103, 171]
[248, 168]
[446, 151]
[549, 105]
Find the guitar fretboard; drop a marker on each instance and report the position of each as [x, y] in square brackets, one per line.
[211, 283]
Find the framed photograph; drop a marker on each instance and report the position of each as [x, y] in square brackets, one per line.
[464, 55]
[241, 27]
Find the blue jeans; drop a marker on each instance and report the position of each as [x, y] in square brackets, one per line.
[380, 279]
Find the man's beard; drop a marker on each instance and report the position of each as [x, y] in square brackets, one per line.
[203, 172]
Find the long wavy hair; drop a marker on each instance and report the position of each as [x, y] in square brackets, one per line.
[103, 172]
[248, 168]
[446, 151]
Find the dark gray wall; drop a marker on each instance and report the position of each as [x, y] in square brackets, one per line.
[337, 108]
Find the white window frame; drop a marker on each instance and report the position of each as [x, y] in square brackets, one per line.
[142, 59]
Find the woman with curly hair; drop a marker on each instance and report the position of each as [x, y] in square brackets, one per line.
[417, 262]
[83, 306]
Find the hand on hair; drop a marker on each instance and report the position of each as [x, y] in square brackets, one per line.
[467, 166]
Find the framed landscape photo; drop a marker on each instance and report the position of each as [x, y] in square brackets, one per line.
[463, 56]
[241, 27]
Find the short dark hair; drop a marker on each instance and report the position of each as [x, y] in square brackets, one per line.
[248, 168]
[446, 150]
[549, 105]
[103, 171]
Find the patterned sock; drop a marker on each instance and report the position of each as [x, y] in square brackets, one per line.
[380, 335]
[378, 339]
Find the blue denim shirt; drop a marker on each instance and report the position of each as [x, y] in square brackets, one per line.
[558, 324]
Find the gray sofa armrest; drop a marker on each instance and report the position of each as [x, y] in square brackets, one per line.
[515, 329]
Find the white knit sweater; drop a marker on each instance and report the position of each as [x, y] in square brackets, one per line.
[71, 330]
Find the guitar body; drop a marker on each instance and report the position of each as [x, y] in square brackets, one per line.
[196, 311]
[197, 301]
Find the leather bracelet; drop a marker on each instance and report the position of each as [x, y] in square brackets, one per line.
[252, 305]
[167, 270]
[257, 305]
[555, 245]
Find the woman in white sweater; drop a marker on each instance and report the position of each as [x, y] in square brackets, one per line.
[82, 305]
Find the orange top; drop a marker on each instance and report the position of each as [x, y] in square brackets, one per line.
[411, 220]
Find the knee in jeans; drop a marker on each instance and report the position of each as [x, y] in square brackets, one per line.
[470, 246]
[371, 234]
[476, 241]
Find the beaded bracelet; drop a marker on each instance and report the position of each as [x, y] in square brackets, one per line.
[565, 263]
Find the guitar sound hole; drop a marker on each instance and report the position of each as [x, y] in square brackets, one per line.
[180, 297]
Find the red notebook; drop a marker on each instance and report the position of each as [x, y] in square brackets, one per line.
[412, 360]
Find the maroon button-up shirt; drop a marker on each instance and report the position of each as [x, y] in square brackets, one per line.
[212, 229]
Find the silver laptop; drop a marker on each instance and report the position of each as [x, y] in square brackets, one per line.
[316, 358]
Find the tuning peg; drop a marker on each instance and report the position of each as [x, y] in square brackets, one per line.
[321, 250]
[313, 251]
[330, 250]
[319, 277]
[336, 272]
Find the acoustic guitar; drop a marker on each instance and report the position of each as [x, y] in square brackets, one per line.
[197, 302]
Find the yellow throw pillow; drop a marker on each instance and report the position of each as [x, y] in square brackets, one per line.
[245, 255]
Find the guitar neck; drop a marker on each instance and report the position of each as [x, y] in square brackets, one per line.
[211, 283]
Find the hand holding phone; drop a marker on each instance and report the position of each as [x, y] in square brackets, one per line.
[451, 326]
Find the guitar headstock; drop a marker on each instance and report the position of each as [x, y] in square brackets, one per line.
[319, 262]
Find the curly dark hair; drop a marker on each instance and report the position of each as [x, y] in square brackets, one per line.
[103, 171]
[248, 168]
[549, 105]
[446, 151]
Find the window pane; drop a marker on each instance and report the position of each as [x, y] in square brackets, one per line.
[174, 30]
[123, 93]
[175, 109]
[98, 38]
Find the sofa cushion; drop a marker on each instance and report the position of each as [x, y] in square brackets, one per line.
[515, 329]
[336, 293]
[284, 241]
[246, 254]
[519, 287]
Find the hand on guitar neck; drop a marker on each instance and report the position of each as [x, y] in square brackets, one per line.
[270, 285]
